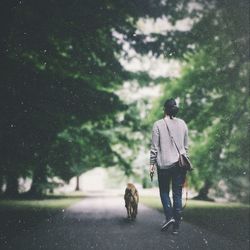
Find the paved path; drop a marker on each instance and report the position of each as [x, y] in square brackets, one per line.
[100, 223]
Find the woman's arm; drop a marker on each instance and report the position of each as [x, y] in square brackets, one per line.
[154, 144]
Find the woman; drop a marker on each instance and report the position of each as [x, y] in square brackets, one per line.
[164, 155]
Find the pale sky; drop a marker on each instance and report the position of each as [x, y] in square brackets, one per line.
[162, 25]
[155, 67]
[160, 66]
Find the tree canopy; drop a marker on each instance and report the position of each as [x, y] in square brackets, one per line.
[60, 66]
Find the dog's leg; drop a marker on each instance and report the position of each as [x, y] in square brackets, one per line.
[134, 215]
[136, 209]
[133, 211]
[130, 211]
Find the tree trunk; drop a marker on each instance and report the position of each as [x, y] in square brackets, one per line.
[77, 183]
[203, 193]
[12, 185]
[1, 183]
[39, 181]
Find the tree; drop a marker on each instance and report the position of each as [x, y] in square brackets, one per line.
[213, 91]
[106, 142]
[60, 67]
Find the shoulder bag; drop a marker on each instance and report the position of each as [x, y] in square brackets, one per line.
[183, 160]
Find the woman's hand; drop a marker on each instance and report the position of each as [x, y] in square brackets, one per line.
[151, 171]
[151, 168]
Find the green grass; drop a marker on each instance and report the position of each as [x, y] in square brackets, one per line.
[49, 203]
[21, 214]
[228, 219]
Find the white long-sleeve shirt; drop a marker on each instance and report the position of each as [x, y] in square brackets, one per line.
[163, 152]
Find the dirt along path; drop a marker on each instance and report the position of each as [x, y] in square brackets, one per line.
[100, 223]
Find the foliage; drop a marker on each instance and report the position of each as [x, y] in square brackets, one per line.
[213, 93]
[52, 77]
[61, 69]
[101, 143]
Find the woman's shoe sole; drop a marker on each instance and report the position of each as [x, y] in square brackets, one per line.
[175, 233]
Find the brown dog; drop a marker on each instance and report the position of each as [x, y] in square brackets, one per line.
[131, 198]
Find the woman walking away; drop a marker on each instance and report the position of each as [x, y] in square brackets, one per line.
[164, 156]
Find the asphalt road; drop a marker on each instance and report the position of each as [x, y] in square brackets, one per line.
[100, 223]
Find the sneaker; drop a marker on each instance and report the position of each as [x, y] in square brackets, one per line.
[167, 223]
[175, 229]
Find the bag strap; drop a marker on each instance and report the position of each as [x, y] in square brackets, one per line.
[172, 138]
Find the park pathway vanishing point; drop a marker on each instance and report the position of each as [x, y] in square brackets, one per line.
[100, 223]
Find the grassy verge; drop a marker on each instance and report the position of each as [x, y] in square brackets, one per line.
[17, 215]
[50, 203]
[228, 219]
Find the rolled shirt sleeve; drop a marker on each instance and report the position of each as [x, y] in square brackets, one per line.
[154, 144]
[186, 139]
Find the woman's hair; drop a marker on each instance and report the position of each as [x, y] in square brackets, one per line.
[170, 108]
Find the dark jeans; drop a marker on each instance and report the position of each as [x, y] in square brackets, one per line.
[176, 175]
